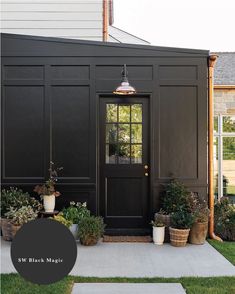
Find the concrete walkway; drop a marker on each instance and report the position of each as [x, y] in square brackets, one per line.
[141, 260]
[107, 288]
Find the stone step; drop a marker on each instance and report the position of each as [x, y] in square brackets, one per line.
[128, 288]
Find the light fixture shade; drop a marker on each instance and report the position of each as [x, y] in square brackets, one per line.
[125, 88]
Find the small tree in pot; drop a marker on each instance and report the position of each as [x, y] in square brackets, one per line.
[158, 232]
[199, 228]
[91, 230]
[176, 195]
[181, 222]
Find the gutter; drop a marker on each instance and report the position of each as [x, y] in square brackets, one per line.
[211, 62]
[105, 20]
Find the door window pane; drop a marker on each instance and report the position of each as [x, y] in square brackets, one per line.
[111, 133]
[124, 133]
[111, 112]
[136, 153]
[229, 124]
[111, 151]
[123, 136]
[136, 113]
[124, 113]
[124, 154]
[229, 166]
[136, 133]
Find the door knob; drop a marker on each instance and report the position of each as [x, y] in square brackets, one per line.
[146, 166]
[146, 174]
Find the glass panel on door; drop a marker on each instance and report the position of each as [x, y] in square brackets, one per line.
[124, 138]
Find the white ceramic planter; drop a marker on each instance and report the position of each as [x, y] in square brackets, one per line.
[49, 203]
[158, 235]
[74, 230]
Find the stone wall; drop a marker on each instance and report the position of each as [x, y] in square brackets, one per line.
[224, 101]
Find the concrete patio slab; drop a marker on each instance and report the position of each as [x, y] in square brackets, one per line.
[114, 288]
[141, 260]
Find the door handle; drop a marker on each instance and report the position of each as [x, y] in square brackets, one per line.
[146, 174]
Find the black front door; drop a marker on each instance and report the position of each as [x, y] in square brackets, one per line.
[124, 164]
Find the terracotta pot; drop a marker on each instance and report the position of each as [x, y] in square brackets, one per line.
[49, 203]
[8, 229]
[89, 241]
[166, 219]
[179, 237]
[198, 233]
[158, 235]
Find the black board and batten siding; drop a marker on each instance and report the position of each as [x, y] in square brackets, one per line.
[51, 92]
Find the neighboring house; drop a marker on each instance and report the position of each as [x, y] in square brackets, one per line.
[224, 110]
[73, 19]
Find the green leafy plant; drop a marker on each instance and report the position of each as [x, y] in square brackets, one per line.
[225, 219]
[75, 212]
[201, 212]
[182, 219]
[157, 223]
[60, 218]
[15, 198]
[92, 226]
[49, 187]
[21, 216]
[176, 197]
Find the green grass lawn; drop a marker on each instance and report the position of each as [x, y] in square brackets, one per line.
[14, 284]
[227, 249]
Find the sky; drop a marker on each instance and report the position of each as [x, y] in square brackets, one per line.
[198, 24]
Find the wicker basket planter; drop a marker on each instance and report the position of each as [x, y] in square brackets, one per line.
[179, 237]
[198, 233]
[89, 241]
[8, 229]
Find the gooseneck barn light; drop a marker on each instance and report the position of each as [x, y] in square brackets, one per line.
[125, 88]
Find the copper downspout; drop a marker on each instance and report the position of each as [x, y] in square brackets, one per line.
[105, 20]
[211, 63]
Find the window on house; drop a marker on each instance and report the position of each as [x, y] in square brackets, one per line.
[224, 156]
[124, 133]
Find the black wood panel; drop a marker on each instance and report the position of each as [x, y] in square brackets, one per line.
[70, 130]
[178, 155]
[23, 129]
[50, 108]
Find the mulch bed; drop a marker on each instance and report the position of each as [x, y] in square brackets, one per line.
[138, 239]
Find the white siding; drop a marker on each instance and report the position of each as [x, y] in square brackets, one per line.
[79, 19]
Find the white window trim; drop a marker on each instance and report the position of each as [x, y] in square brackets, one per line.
[220, 135]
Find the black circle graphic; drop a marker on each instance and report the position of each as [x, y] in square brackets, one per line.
[43, 251]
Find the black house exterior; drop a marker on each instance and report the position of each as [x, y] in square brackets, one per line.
[117, 151]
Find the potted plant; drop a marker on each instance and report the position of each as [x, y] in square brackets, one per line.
[158, 231]
[176, 195]
[199, 228]
[74, 213]
[90, 230]
[47, 191]
[18, 217]
[181, 222]
[61, 219]
[14, 198]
